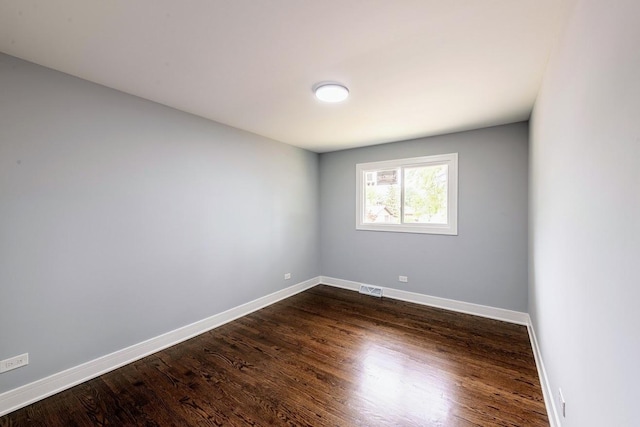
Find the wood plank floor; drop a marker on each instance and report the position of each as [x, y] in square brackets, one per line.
[325, 357]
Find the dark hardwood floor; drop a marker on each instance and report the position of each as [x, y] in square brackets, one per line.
[325, 357]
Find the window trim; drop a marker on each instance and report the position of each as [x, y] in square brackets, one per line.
[451, 228]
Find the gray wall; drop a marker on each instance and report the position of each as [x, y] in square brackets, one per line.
[585, 215]
[121, 219]
[485, 264]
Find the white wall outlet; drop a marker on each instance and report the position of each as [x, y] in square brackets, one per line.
[403, 279]
[562, 404]
[287, 276]
[14, 362]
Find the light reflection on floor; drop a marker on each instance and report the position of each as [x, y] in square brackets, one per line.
[411, 387]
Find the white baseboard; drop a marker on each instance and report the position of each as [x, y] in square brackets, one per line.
[549, 401]
[45, 387]
[510, 316]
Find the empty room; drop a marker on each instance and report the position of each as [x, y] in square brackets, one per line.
[319, 213]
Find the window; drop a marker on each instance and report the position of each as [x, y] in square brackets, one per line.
[417, 195]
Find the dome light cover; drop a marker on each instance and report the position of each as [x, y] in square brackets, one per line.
[331, 92]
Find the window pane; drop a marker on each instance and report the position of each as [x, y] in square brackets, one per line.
[413, 195]
[425, 198]
[382, 197]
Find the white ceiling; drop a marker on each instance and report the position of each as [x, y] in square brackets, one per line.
[414, 68]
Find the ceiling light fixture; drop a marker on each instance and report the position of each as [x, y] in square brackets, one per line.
[331, 92]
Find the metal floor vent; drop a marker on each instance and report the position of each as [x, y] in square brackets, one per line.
[371, 290]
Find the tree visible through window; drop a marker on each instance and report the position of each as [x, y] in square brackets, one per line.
[425, 194]
[413, 195]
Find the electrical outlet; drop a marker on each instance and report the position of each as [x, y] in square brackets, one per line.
[14, 362]
[403, 279]
[287, 276]
[562, 404]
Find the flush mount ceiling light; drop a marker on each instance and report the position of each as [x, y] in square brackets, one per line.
[331, 92]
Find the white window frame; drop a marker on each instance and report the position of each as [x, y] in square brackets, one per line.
[450, 228]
